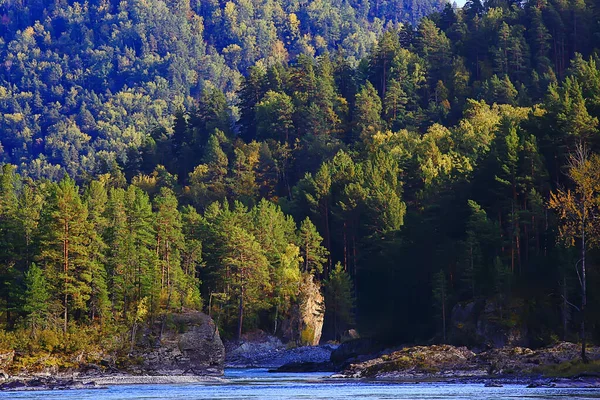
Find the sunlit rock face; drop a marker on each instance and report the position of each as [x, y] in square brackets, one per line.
[305, 324]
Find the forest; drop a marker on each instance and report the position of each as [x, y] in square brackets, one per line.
[407, 157]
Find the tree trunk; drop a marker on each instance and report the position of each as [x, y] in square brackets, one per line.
[328, 239]
[240, 314]
[66, 271]
[583, 293]
[276, 316]
[444, 313]
[564, 305]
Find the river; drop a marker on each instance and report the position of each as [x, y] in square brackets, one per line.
[259, 384]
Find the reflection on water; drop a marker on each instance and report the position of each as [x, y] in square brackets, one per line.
[259, 384]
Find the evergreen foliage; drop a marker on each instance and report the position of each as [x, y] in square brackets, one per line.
[162, 156]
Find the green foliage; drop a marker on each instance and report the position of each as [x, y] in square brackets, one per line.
[314, 255]
[339, 300]
[221, 150]
[37, 298]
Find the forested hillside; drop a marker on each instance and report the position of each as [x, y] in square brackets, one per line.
[222, 156]
[83, 82]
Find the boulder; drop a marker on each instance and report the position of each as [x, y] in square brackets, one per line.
[256, 348]
[261, 350]
[418, 361]
[181, 344]
[352, 350]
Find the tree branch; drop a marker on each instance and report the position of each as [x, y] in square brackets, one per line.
[577, 270]
[569, 303]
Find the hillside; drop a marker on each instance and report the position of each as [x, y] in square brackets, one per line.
[81, 83]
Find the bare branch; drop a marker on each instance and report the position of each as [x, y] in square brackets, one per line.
[578, 274]
[569, 303]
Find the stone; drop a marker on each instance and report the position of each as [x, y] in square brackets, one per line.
[304, 326]
[181, 344]
[354, 349]
[443, 361]
[352, 334]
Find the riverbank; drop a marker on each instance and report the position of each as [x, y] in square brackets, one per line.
[555, 365]
[75, 381]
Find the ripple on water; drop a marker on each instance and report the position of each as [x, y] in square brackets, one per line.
[259, 384]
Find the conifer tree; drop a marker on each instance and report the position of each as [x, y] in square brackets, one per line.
[29, 209]
[96, 199]
[169, 241]
[313, 254]
[65, 247]
[367, 113]
[248, 274]
[9, 273]
[37, 298]
[339, 300]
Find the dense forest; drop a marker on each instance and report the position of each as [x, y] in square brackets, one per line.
[161, 156]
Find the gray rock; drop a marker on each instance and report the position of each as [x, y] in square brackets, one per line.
[258, 349]
[181, 344]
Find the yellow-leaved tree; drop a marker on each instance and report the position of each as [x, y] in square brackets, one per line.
[578, 210]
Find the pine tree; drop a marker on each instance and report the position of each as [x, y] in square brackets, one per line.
[29, 210]
[65, 247]
[169, 241]
[37, 298]
[191, 258]
[313, 254]
[394, 104]
[274, 117]
[286, 278]
[248, 274]
[339, 300]
[367, 113]
[96, 199]
[9, 272]
[207, 181]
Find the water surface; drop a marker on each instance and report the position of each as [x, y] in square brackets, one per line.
[259, 384]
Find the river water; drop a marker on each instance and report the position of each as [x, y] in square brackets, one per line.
[259, 384]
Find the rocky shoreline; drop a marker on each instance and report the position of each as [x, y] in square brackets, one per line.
[509, 365]
[37, 383]
[548, 367]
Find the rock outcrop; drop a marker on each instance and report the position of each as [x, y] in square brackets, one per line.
[180, 344]
[305, 324]
[417, 362]
[356, 350]
[445, 361]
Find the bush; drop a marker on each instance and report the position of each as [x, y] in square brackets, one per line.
[7, 341]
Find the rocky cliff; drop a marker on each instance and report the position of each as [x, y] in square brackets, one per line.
[305, 324]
